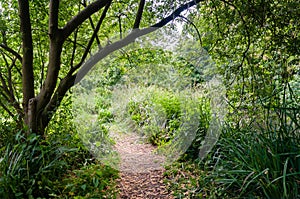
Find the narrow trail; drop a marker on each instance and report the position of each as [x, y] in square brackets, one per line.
[141, 170]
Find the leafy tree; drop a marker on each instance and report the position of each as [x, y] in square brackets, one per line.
[255, 45]
[44, 47]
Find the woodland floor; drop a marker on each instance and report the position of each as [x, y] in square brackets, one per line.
[141, 170]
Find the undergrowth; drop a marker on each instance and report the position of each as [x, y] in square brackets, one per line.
[35, 168]
[56, 165]
[245, 164]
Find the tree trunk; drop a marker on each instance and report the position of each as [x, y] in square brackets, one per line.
[27, 66]
[32, 116]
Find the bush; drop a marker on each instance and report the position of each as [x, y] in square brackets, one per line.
[55, 165]
[244, 164]
[161, 114]
[7, 131]
[256, 164]
[157, 116]
[203, 109]
[29, 168]
[92, 181]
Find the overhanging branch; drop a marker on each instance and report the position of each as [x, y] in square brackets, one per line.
[176, 13]
[195, 27]
[82, 16]
[130, 38]
[96, 30]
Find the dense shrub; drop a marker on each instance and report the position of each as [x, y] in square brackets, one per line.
[29, 168]
[246, 163]
[8, 129]
[92, 181]
[55, 165]
[256, 164]
[161, 114]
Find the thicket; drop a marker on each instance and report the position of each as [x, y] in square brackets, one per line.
[55, 166]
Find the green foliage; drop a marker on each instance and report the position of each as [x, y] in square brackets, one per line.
[248, 164]
[34, 168]
[260, 164]
[29, 168]
[143, 115]
[160, 116]
[203, 108]
[258, 159]
[7, 132]
[87, 178]
[255, 47]
[169, 104]
[62, 131]
[92, 181]
[58, 165]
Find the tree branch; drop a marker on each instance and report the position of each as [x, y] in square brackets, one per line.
[4, 85]
[93, 27]
[92, 23]
[120, 26]
[9, 96]
[8, 49]
[7, 84]
[103, 15]
[55, 50]
[176, 13]
[129, 39]
[9, 80]
[2, 92]
[15, 105]
[53, 17]
[41, 55]
[195, 27]
[139, 14]
[247, 35]
[82, 16]
[69, 81]
[74, 48]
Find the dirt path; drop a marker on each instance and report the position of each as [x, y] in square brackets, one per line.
[141, 170]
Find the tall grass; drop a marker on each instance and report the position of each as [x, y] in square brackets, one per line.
[29, 168]
[252, 163]
[244, 164]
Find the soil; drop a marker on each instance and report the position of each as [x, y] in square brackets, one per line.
[141, 170]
